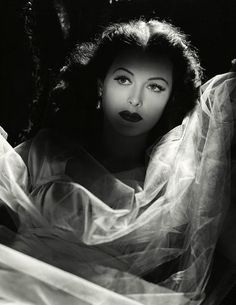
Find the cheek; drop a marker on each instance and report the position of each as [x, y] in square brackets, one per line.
[113, 97]
[155, 108]
[110, 103]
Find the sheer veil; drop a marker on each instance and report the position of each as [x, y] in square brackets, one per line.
[86, 236]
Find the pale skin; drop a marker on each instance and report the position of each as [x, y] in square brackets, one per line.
[124, 148]
[138, 83]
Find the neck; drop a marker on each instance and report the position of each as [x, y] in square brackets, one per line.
[118, 152]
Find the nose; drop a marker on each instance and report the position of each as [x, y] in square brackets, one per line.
[135, 99]
[134, 102]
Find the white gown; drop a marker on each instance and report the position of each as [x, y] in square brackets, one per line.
[86, 236]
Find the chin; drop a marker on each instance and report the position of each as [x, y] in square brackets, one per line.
[129, 132]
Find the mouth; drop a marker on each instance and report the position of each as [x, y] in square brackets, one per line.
[130, 116]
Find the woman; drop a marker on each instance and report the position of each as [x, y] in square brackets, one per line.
[128, 219]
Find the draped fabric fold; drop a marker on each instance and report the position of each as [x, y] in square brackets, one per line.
[88, 236]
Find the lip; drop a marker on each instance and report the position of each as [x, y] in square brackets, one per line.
[133, 117]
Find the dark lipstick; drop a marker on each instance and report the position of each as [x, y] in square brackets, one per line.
[130, 116]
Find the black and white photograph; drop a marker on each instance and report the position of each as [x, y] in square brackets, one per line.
[118, 152]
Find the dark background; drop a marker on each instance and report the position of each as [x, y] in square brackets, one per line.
[37, 35]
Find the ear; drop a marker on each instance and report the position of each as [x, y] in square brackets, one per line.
[100, 87]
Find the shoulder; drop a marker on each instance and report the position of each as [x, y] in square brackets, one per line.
[46, 155]
[46, 143]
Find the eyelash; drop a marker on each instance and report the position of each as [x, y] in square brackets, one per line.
[122, 78]
[159, 87]
[119, 79]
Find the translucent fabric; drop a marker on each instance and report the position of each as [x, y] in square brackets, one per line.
[145, 236]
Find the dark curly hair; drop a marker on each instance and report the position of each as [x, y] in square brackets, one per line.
[77, 87]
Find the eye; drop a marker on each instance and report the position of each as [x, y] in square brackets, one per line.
[155, 87]
[123, 80]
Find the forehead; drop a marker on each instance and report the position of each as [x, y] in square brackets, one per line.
[139, 61]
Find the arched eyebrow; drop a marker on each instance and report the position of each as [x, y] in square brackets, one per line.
[151, 78]
[159, 78]
[124, 69]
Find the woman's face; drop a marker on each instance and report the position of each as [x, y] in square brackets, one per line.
[135, 92]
